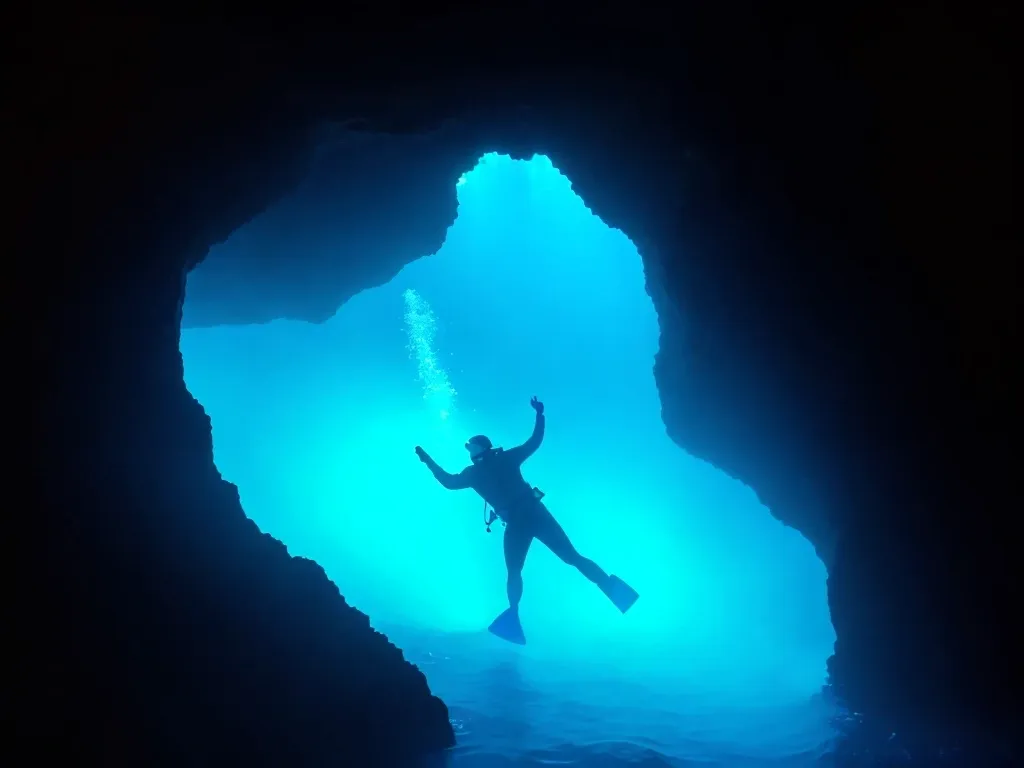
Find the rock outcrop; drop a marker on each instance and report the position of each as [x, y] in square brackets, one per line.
[823, 208]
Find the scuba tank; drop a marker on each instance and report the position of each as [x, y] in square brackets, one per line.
[490, 515]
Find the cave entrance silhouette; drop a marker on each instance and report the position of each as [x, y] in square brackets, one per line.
[531, 294]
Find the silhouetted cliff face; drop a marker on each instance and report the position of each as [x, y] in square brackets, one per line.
[174, 632]
[823, 210]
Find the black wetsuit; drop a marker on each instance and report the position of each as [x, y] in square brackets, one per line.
[498, 478]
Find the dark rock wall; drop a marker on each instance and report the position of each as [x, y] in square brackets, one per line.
[823, 205]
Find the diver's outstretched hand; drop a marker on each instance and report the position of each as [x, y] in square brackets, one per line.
[537, 405]
[422, 454]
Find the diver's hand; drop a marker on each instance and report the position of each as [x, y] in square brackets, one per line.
[422, 454]
[537, 405]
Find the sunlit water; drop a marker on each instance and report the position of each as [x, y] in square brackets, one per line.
[721, 658]
[508, 710]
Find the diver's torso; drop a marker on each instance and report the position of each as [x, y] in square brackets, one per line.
[500, 482]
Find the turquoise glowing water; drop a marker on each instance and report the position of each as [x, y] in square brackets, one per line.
[530, 294]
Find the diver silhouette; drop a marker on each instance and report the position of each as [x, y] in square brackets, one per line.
[496, 475]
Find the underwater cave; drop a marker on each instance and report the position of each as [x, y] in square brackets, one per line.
[823, 203]
[721, 659]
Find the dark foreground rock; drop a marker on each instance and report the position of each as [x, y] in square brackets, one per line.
[823, 203]
[174, 632]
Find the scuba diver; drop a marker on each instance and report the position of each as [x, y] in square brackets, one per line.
[495, 474]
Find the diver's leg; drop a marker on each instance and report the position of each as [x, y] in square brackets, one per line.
[551, 534]
[554, 538]
[516, 544]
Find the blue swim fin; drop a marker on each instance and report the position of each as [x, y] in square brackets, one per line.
[507, 627]
[620, 593]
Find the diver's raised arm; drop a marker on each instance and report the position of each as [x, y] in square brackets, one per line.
[446, 479]
[522, 452]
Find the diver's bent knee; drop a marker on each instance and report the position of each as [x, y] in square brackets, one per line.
[575, 559]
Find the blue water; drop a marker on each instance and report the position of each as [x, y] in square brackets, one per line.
[721, 659]
[508, 710]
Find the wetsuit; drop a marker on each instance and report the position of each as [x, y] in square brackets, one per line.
[498, 478]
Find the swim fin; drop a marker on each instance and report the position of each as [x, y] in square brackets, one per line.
[507, 627]
[620, 593]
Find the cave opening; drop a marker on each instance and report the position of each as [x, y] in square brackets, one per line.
[530, 294]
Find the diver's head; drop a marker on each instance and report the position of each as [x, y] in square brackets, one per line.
[478, 447]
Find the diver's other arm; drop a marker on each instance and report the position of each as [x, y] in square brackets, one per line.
[523, 452]
[449, 481]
